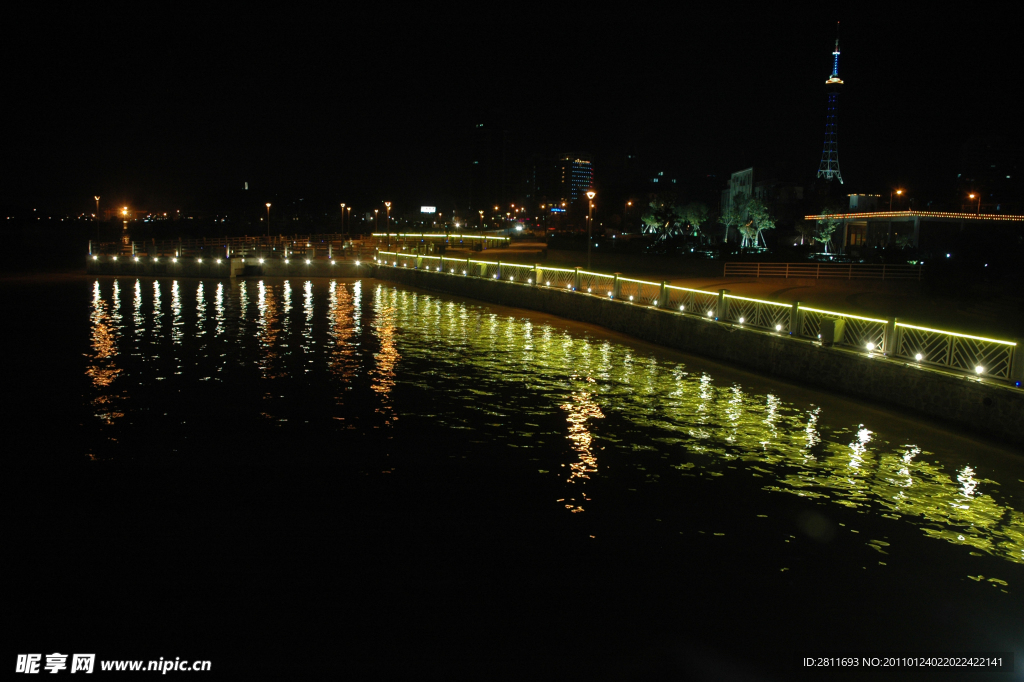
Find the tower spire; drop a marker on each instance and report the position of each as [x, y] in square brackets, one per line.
[835, 55]
[829, 166]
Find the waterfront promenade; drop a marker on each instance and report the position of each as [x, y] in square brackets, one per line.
[998, 314]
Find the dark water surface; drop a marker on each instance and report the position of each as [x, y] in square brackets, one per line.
[336, 475]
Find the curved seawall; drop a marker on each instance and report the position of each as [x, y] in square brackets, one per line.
[986, 408]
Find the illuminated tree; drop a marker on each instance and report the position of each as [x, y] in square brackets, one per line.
[662, 218]
[694, 214]
[734, 216]
[760, 218]
[827, 225]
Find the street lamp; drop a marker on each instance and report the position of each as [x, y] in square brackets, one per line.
[387, 225]
[972, 195]
[481, 219]
[590, 221]
[343, 218]
[898, 192]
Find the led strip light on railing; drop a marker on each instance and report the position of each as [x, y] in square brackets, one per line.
[855, 317]
[695, 291]
[441, 234]
[757, 300]
[963, 336]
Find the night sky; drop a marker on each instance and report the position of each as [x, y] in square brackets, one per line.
[365, 106]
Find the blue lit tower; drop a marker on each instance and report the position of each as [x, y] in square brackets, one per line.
[829, 167]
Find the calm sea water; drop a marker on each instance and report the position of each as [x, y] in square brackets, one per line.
[412, 480]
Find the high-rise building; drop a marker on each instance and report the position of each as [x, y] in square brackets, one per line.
[575, 176]
[829, 166]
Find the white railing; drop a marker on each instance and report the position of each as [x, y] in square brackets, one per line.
[927, 347]
[753, 312]
[823, 270]
[333, 246]
[973, 354]
[859, 332]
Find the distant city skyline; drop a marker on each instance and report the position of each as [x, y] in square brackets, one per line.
[170, 120]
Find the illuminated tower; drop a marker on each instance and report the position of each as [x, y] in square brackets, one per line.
[829, 166]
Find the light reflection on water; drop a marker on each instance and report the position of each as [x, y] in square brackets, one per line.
[564, 402]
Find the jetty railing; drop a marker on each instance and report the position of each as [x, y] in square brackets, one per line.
[923, 346]
[334, 246]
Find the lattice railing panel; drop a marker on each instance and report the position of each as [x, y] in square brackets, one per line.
[452, 266]
[702, 303]
[486, 269]
[516, 273]
[638, 291]
[811, 326]
[932, 347]
[957, 351]
[596, 283]
[754, 313]
[859, 331]
[557, 278]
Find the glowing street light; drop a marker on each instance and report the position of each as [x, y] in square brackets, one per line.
[972, 196]
[897, 192]
[888, 238]
[268, 220]
[590, 221]
[343, 218]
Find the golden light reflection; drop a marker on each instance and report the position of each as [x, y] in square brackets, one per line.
[580, 410]
[102, 368]
[343, 331]
[267, 331]
[385, 359]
